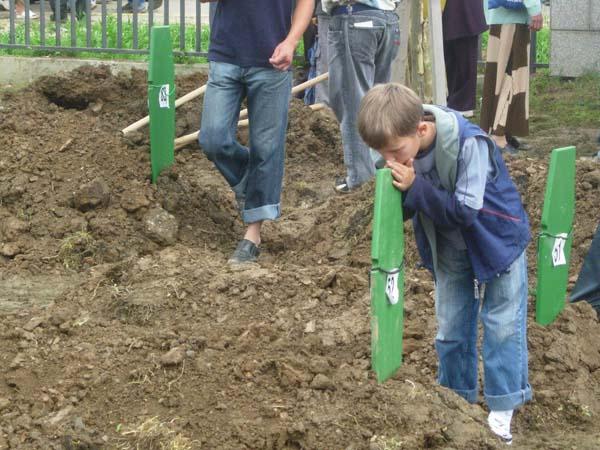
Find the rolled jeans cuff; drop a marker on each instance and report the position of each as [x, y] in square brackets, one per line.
[267, 212]
[509, 401]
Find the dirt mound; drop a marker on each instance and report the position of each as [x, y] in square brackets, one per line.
[123, 327]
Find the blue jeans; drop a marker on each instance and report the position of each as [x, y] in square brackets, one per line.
[361, 47]
[255, 174]
[504, 318]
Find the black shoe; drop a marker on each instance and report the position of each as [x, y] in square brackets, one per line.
[341, 185]
[246, 252]
[516, 143]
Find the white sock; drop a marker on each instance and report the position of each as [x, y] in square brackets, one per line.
[499, 422]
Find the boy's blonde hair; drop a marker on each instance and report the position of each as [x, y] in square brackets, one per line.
[388, 111]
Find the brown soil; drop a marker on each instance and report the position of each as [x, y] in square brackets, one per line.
[113, 340]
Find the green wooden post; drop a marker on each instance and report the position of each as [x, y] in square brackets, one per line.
[161, 100]
[387, 278]
[554, 243]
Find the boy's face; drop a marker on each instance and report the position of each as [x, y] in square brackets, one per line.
[401, 149]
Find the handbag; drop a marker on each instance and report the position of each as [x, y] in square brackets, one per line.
[508, 4]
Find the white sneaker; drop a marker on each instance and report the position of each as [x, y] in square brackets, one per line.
[499, 422]
[32, 15]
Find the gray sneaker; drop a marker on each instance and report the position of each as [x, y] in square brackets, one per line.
[246, 252]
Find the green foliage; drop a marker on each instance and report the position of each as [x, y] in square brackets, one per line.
[143, 40]
[563, 102]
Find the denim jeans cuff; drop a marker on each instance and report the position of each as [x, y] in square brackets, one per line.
[469, 395]
[267, 212]
[509, 401]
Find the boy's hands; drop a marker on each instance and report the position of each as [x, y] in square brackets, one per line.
[403, 174]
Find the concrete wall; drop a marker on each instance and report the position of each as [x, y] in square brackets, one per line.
[19, 71]
[575, 46]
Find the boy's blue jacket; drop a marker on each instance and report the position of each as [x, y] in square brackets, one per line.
[496, 234]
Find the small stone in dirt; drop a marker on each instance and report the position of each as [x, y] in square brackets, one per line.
[161, 227]
[17, 361]
[92, 195]
[10, 250]
[33, 323]
[96, 107]
[173, 357]
[310, 327]
[592, 177]
[60, 415]
[12, 228]
[339, 253]
[328, 279]
[322, 383]
[319, 364]
[4, 403]
[133, 201]
[78, 423]
[134, 138]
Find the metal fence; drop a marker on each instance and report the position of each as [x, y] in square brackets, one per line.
[106, 27]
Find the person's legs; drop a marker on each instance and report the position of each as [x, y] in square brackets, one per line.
[222, 100]
[504, 318]
[268, 103]
[456, 311]
[461, 72]
[354, 45]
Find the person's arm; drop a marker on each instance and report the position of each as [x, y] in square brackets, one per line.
[457, 209]
[284, 53]
[534, 9]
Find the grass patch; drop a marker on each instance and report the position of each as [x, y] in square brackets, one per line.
[75, 248]
[143, 37]
[557, 102]
[143, 40]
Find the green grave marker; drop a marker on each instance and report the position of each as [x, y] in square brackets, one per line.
[387, 278]
[161, 100]
[555, 239]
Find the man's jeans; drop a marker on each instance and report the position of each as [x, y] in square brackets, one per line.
[504, 318]
[322, 89]
[255, 174]
[361, 47]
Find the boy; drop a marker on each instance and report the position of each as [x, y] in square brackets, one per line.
[471, 231]
[252, 46]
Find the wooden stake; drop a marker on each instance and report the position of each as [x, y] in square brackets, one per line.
[182, 141]
[201, 90]
[188, 138]
[307, 84]
[180, 101]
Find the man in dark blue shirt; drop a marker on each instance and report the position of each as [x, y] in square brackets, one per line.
[251, 49]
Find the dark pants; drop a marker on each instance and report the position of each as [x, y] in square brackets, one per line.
[588, 282]
[64, 8]
[461, 71]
